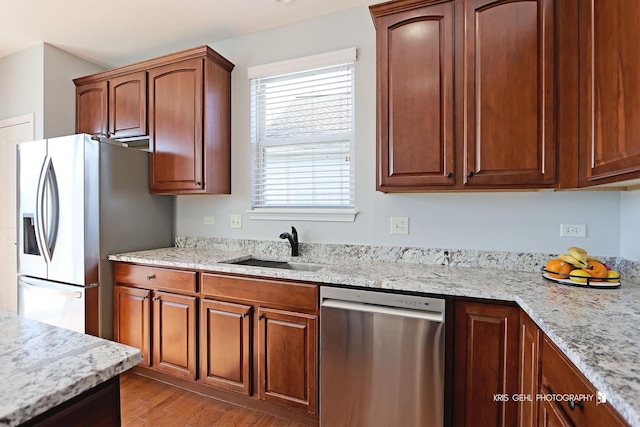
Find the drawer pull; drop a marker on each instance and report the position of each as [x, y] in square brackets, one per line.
[573, 404]
[151, 276]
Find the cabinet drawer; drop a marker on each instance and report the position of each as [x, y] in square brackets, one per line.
[297, 295]
[155, 278]
[562, 378]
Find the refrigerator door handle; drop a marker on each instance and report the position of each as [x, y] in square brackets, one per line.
[47, 210]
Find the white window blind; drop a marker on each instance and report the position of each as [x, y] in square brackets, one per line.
[302, 133]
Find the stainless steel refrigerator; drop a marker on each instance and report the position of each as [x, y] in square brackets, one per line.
[80, 200]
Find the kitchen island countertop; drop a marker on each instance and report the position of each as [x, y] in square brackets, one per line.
[597, 329]
[43, 366]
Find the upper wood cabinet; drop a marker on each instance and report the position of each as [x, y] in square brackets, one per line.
[91, 108]
[466, 93]
[609, 64]
[181, 102]
[415, 146]
[113, 108]
[509, 93]
[128, 105]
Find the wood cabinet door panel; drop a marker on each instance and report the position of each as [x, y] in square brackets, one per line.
[486, 364]
[550, 414]
[529, 371]
[91, 108]
[174, 334]
[509, 89]
[128, 105]
[225, 345]
[132, 319]
[415, 98]
[287, 358]
[610, 89]
[176, 125]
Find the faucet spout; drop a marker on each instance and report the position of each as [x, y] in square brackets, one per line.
[293, 240]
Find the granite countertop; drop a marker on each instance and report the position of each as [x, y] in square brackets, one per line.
[597, 329]
[42, 366]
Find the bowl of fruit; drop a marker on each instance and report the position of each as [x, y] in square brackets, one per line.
[578, 268]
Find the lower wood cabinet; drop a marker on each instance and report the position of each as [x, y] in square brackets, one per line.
[560, 380]
[162, 324]
[485, 373]
[529, 381]
[287, 358]
[259, 337]
[226, 345]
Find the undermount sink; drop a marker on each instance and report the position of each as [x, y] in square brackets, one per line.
[284, 265]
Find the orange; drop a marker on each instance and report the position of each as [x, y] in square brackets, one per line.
[558, 269]
[597, 270]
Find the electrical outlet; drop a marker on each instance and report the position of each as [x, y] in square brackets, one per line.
[236, 221]
[399, 225]
[573, 230]
[208, 220]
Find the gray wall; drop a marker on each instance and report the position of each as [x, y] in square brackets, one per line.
[509, 221]
[22, 86]
[39, 80]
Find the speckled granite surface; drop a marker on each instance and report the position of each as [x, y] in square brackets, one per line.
[598, 329]
[42, 366]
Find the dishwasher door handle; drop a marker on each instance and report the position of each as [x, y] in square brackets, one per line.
[395, 311]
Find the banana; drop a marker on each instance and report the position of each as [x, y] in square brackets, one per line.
[592, 258]
[573, 261]
[578, 253]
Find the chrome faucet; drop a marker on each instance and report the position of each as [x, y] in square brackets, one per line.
[293, 240]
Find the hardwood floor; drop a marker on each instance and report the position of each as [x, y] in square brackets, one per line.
[147, 402]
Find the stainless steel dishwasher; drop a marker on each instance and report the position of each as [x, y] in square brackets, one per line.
[381, 359]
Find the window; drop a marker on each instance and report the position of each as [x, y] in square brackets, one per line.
[302, 132]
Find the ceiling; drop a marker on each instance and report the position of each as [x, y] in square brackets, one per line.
[119, 32]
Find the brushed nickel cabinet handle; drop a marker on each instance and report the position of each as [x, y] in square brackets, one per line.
[151, 276]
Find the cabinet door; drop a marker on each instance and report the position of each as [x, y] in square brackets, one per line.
[509, 90]
[132, 319]
[174, 334]
[610, 91]
[551, 414]
[91, 108]
[529, 371]
[288, 358]
[415, 98]
[225, 345]
[485, 364]
[175, 126]
[128, 105]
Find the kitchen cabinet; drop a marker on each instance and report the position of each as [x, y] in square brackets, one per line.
[155, 310]
[114, 108]
[132, 319]
[529, 379]
[466, 95]
[282, 350]
[415, 84]
[559, 377]
[181, 102]
[609, 65]
[485, 365]
[190, 126]
[91, 108]
[287, 358]
[226, 345]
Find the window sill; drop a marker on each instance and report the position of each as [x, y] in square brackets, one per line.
[328, 215]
